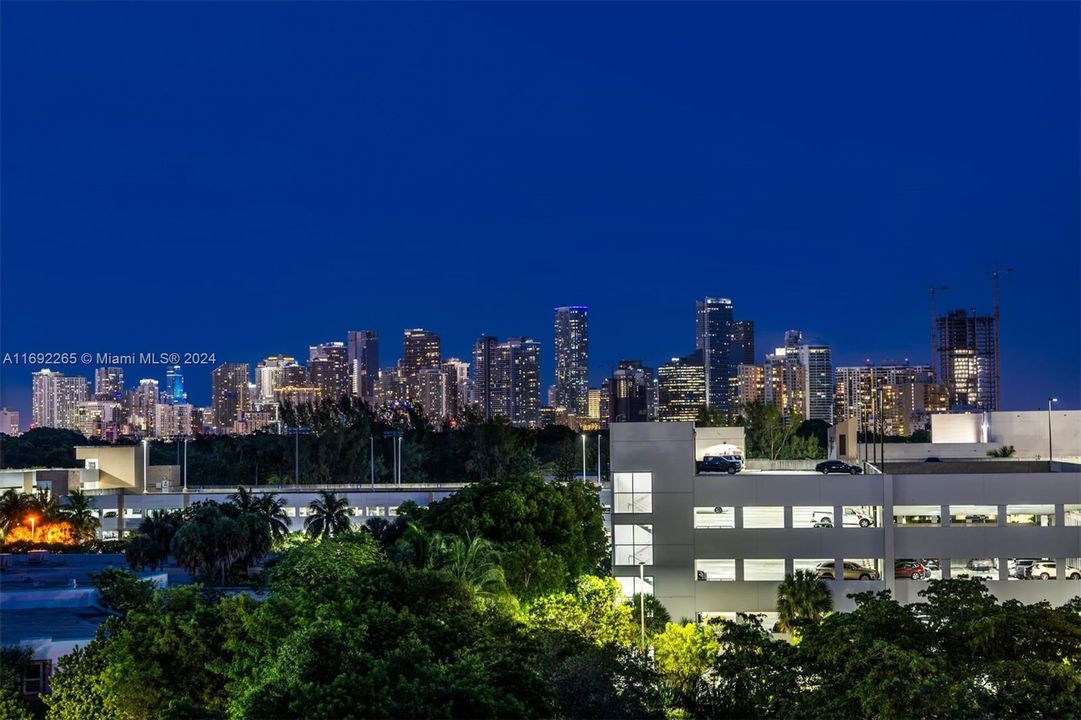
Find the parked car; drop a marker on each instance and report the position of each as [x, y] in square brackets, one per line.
[837, 466]
[1046, 569]
[910, 570]
[931, 564]
[853, 571]
[734, 458]
[851, 516]
[717, 464]
[1022, 568]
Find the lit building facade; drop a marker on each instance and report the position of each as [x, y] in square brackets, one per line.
[172, 421]
[328, 369]
[631, 393]
[174, 385]
[9, 422]
[907, 393]
[751, 384]
[229, 394]
[270, 375]
[55, 397]
[681, 388]
[108, 383]
[968, 360]
[420, 349]
[363, 358]
[572, 359]
[507, 379]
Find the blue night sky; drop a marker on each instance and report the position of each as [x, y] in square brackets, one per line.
[246, 179]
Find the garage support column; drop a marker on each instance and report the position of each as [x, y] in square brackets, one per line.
[886, 523]
[1003, 563]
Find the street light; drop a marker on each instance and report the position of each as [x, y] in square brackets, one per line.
[583, 457]
[32, 520]
[146, 446]
[1050, 446]
[642, 599]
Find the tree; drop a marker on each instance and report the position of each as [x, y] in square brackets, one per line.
[210, 543]
[773, 437]
[712, 417]
[158, 527]
[79, 511]
[14, 662]
[140, 552]
[14, 507]
[567, 461]
[683, 654]
[121, 591]
[802, 598]
[327, 516]
[657, 616]
[1003, 452]
[596, 611]
[474, 563]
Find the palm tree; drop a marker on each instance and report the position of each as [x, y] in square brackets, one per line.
[327, 516]
[474, 562]
[244, 500]
[272, 509]
[802, 598]
[421, 548]
[160, 527]
[13, 509]
[79, 511]
[46, 504]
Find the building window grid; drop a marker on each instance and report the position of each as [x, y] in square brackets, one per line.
[633, 544]
[632, 492]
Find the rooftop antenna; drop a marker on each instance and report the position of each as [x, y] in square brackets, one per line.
[934, 327]
[995, 274]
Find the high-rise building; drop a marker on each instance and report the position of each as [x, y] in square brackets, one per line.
[507, 379]
[229, 394]
[572, 359]
[595, 403]
[171, 421]
[968, 360]
[97, 419]
[631, 391]
[751, 386]
[488, 385]
[461, 387]
[681, 388]
[108, 383]
[742, 343]
[713, 336]
[174, 385]
[816, 360]
[55, 397]
[420, 349]
[909, 396]
[363, 357]
[270, 374]
[328, 369]
[9, 422]
[433, 393]
[143, 403]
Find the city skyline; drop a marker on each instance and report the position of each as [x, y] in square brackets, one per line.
[677, 151]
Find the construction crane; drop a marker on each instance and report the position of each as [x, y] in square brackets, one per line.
[995, 275]
[934, 327]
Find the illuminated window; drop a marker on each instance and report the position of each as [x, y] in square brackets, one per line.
[763, 569]
[632, 585]
[632, 492]
[633, 544]
[715, 570]
[917, 515]
[714, 517]
[763, 517]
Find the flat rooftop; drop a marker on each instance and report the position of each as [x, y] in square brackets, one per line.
[57, 571]
[57, 624]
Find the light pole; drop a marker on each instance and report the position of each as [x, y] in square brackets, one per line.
[146, 452]
[583, 457]
[185, 463]
[642, 599]
[598, 458]
[33, 531]
[1050, 445]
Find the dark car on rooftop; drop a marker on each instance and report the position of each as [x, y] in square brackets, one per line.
[718, 464]
[837, 466]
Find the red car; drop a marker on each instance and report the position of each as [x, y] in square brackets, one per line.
[909, 570]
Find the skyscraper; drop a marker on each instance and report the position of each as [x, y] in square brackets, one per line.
[363, 357]
[328, 369]
[572, 359]
[909, 396]
[434, 393]
[461, 388]
[631, 393]
[742, 343]
[229, 394]
[144, 400]
[108, 383]
[816, 361]
[270, 375]
[420, 349]
[9, 422]
[681, 388]
[507, 379]
[713, 336]
[174, 385]
[968, 360]
[55, 397]
[752, 384]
